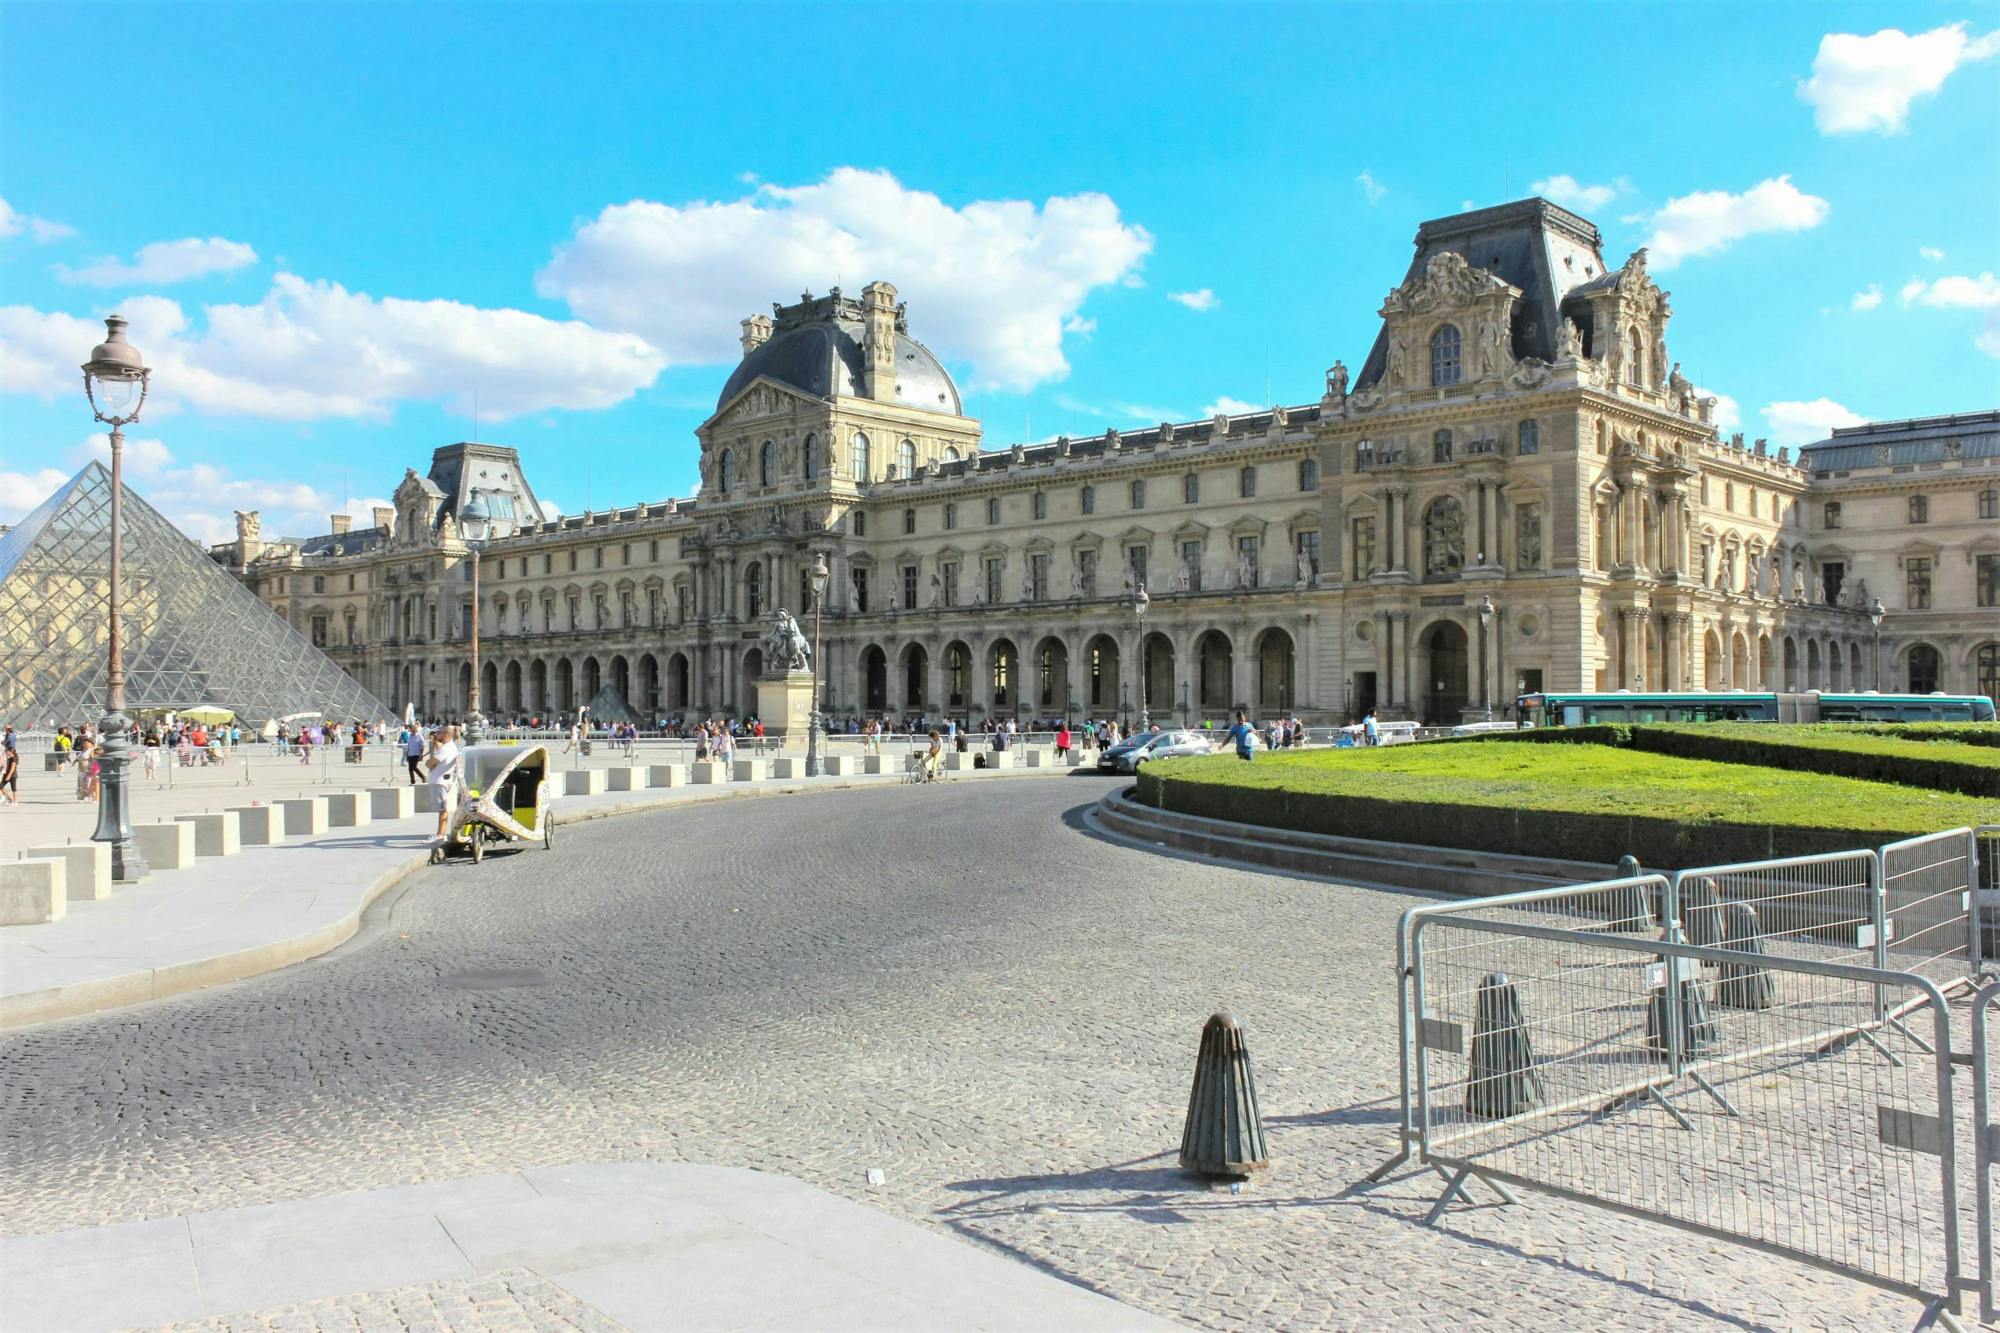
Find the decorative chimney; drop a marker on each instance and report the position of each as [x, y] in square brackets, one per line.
[878, 341]
[341, 523]
[385, 517]
[756, 332]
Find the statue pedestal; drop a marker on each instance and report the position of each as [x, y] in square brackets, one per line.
[784, 706]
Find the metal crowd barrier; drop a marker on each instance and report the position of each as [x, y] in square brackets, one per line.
[1760, 1052]
[1986, 1145]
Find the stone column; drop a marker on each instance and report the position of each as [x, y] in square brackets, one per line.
[1409, 699]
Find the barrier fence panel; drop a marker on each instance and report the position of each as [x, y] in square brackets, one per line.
[1927, 910]
[1986, 1144]
[1796, 907]
[1722, 1090]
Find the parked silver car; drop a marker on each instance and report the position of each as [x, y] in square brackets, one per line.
[1160, 745]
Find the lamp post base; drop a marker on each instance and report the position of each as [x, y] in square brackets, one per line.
[114, 817]
[475, 727]
[812, 742]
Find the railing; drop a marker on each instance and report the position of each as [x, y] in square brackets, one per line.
[1986, 1146]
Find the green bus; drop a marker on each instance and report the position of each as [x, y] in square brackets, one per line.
[1553, 709]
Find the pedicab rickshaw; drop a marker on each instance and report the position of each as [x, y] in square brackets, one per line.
[507, 795]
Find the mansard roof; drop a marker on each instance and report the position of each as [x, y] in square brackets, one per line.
[1907, 442]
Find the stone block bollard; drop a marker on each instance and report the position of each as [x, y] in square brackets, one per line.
[707, 772]
[626, 778]
[1224, 1135]
[1629, 909]
[168, 846]
[33, 891]
[750, 770]
[788, 766]
[875, 763]
[1502, 1080]
[665, 775]
[583, 781]
[348, 809]
[87, 873]
[392, 802]
[839, 765]
[305, 816]
[1748, 984]
[214, 835]
[259, 825]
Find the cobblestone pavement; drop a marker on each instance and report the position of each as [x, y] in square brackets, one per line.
[959, 985]
[510, 1301]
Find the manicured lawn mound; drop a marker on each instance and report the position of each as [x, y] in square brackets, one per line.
[1838, 749]
[1585, 802]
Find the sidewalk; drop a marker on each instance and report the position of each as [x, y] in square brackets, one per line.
[641, 1246]
[264, 908]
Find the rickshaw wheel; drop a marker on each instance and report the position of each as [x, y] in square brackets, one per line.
[478, 843]
[549, 830]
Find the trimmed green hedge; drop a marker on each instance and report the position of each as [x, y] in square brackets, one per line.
[1581, 802]
[1984, 734]
[1833, 748]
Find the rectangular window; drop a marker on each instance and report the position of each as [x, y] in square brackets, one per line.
[1308, 474]
[1248, 557]
[1917, 578]
[1364, 547]
[1191, 565]
[681, 605]
[909, 522]
[1307, 554]
[993, 513]
[1830, 516]
[860, 524]
[653, 607]
[572, 562]
[597, 558]
[1087, 501]
[950, 517]
[1135, 560]
[1086, 572]
[1139, 494]
[1920, 509]
[860, 590]
[625, 554]
[1832, 573]
[1038, 576]
[996, 570]
[1246, 483]
[948, 575]
[1041, 505]
[1988, 580]
[548, 564]
[1191, 488]
[909, 587]
[1529, 440]
[653, 550]
[319, 631]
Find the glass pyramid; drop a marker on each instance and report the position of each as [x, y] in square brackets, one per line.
[193, 633]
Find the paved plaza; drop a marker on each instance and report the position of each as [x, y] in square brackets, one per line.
[963, 987]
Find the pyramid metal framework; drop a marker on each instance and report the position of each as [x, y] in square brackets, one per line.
[193, 634]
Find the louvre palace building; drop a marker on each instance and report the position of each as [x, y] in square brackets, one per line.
[1516, 489]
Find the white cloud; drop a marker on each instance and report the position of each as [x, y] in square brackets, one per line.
[1867, 83]
[1803, 423]
[21, 492]
[40, 230]
[1728, 412]
[164, 262]
[143, 457]
[1711, 220]
[1931, 252]
[1573, 193]
[312, 350]
[1371, 187]
[1080, 326]
[1954, 293]
[993, 282]
[1226, 406]
[1197, 300]
[1869, 299]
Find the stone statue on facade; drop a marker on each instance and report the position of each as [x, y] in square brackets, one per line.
[1076, 582]
[937, 592]
[1181, 578]
[1569, 342]
[889, 601]
[249, 524]
[1861, 593]
[1399, 356]
[1246, 573]
[1336, 381]
[1490, 340]
[1680, 391]
[785, 647]
[1305, 577]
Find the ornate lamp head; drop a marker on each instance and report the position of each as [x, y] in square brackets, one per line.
[116, 374]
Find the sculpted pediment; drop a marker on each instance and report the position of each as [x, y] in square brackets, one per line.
[761, 398]
[1448, 282]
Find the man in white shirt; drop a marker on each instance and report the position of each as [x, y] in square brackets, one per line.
[444, 765]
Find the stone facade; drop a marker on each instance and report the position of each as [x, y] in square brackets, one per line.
[1518, 436]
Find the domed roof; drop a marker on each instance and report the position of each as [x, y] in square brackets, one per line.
[824, 357]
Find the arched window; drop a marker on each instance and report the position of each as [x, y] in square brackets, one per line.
[909, 521]
[811, 457]
[1441, 447]
[1635, 360]
[1529, 438]
[1446, 367]
[753, 589]
[1444, 537]
[906, 457]
[1986, 671]
[1924, 664]
[857, 457]
[1989, 503]
[725, 473]
[951, 453]
[767, 464]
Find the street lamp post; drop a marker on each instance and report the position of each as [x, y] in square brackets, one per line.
[1187, 706]
[1485, 624]
[1140, 602]
[817, 576]
[114, 379]
[1875, 614]
[472, 529]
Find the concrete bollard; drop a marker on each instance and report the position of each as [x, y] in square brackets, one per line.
[424, 798]
[1074, 759]
[665, 775]
[214, 834]
[86, 868]
[583, 782]
[348, 809]
[33, 891]
[958, 761]
[1224, 1135]
[1502, 1080]
[839, 765]
[750, 770]
[392, 802]
[875, 763]
[1748, 984]
[788, 766]
[626, 779]
[708, 772]
[305, 816]
[259, 825]
[1629, 909]
[1700, 1033]
[1701, 912]
[168, 846]
[1040, 758]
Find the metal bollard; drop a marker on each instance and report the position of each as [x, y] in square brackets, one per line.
[1502, 1080]
[1224, 1135]
[1748, 984]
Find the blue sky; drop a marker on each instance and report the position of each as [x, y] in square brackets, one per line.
[332, 226]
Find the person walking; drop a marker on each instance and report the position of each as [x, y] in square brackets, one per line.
[725, 745]
[413, 754]
[10, 769]
[1243, 736]
[443, 764]
[1062, 740]
[1369, 729]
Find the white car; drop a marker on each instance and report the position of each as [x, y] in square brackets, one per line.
[1165, 745]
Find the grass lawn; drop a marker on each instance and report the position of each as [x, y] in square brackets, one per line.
[1845, 736]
